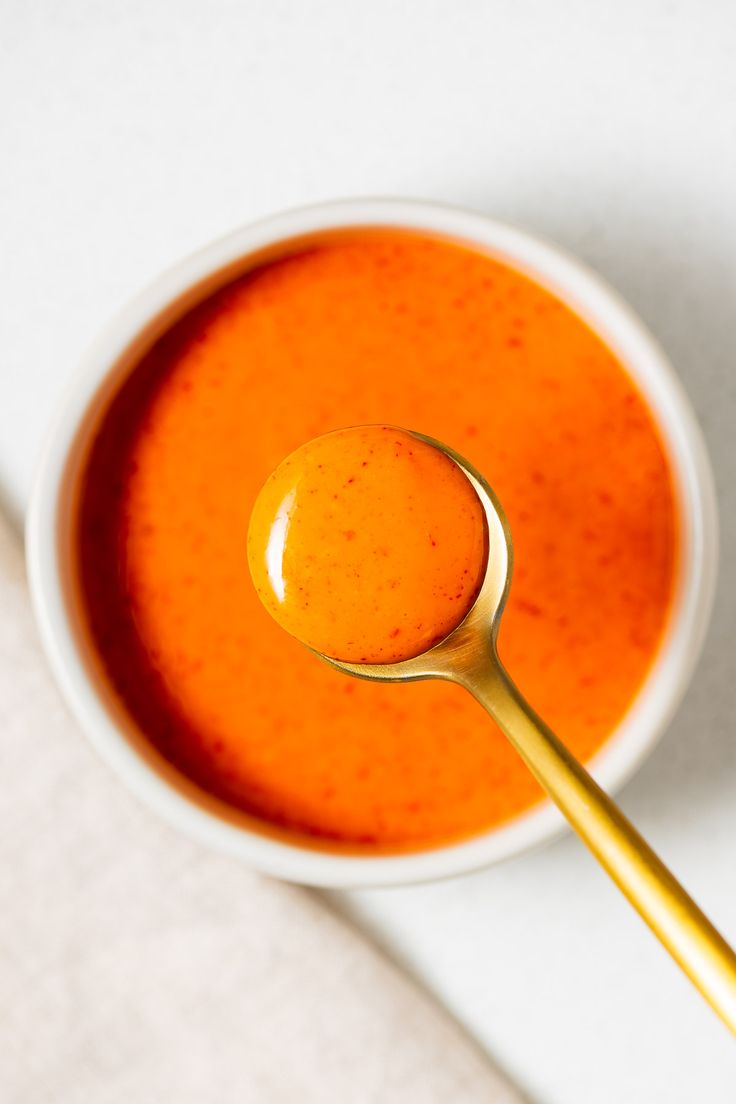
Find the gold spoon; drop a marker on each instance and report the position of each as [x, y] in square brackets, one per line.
[468, 656]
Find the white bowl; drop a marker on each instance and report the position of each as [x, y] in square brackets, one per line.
[49, 536]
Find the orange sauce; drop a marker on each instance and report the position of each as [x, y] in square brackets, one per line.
[368, 544]
[392, 329]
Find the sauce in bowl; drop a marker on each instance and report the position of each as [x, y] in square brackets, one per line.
[368, 328]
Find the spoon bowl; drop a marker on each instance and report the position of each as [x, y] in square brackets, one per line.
[460, 650]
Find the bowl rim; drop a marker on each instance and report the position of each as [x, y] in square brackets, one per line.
[605, 312]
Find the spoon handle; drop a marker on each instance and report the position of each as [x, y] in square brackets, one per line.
[654, 892]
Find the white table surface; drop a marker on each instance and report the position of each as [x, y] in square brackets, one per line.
[133, 132]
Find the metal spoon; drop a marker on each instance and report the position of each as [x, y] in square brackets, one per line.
[468, 656]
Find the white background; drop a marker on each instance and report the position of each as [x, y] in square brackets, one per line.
[133, 132]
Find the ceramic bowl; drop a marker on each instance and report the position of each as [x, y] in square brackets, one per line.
[49, 537]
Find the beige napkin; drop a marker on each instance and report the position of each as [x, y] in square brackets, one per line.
[136, 967]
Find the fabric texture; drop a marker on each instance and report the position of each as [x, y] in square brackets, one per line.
[137, 967]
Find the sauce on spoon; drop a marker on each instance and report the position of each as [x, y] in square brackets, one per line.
[368, 545]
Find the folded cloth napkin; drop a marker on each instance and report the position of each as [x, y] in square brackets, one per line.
[136, 967]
